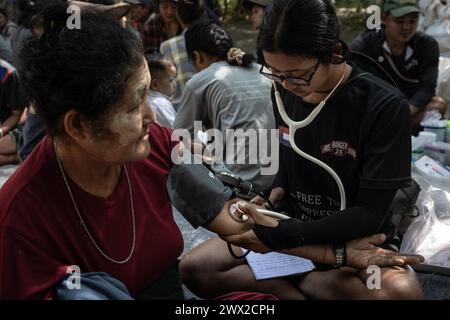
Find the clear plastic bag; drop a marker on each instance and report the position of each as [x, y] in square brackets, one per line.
[429, 234]
[436, 23]
[443, 88]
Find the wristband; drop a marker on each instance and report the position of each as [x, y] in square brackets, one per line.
[340, 253]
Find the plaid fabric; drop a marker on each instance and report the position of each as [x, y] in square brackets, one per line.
[175, 49]
[154, 34]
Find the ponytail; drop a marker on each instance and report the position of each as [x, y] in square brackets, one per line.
[213, 40]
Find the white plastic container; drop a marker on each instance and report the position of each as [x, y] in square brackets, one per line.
[448, 132]
[422, 139]
[439, 151]
[437, 127]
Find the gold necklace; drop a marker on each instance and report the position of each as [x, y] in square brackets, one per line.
[81, 218]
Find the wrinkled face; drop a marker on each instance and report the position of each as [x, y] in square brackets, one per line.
[281, 64]
[257, 16]
[401, 29]
[127, 123]
[168, 11]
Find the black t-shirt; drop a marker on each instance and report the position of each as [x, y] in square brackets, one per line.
[419, 63]
[12, 96]
[362, 133]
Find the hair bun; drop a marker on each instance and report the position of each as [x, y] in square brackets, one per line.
[247, 59]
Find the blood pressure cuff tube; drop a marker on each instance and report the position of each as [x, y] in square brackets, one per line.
[197, 193]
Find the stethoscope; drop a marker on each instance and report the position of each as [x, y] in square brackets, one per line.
[293, 127]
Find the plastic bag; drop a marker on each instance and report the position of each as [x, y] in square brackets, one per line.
[436, 23]
[429, 234]
[441, 32]
[430, 14]
[443, 88]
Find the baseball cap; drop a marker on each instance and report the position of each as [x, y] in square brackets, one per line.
[248, 4]
[400, 8]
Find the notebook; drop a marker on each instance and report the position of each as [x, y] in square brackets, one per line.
[275, 265]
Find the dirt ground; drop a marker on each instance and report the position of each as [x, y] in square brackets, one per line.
[244, 37]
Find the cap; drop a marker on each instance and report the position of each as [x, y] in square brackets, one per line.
[400, 8]
[248, 4]
[114, 11]
[197, 193]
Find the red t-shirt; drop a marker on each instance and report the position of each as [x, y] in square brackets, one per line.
[40, 233]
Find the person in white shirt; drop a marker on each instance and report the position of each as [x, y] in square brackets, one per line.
[163, 73]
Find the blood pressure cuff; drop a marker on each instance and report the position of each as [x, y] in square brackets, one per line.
[197, 193]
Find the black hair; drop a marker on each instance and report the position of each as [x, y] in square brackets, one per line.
[3, 11]
[211, 39]
[84, 69]
[156, 64]
[190, 11]
[308, 28]
[27, 11]
[104, 2]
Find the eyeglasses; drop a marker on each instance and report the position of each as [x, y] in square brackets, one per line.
[294, 80]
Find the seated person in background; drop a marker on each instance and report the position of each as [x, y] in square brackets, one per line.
[213, 10]
[409, 57]
[256, 8]
[7, 27]
[13, 101]
[161, 26]
[139, 14]
[358, 130]
[188, 12]
[11, 143]
[163, 73]
[223, 96]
